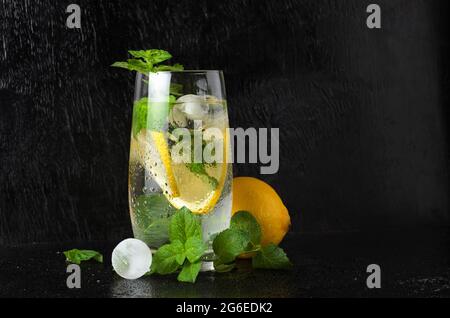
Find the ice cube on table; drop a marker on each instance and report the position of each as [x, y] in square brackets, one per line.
[131, 258]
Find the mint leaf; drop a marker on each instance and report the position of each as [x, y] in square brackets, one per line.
[223, 268]
[121, 65]
[164, 68]
[189, 272]
[157, 233]
[243, 220]
[150, 114]
[186, 249]
[140, 110]
[229, 244]
[150, 208]
[199, 169]
[134, 65]
[152, 56]
[271, 257]
[176, 89]
[145, 61]
[172, 101]
[168, 258]
[152, 214]
[77, 256]
[194, 248]
[184, 225]
[138, 65]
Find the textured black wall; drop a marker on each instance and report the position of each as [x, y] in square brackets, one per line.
[362, 113]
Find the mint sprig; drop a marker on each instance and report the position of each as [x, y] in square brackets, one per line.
[146, 113]
[148, 61]
[184, 252]
[244, 236]
[185, 249]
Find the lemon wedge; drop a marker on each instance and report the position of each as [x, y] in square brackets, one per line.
[154, 154]
[200, 192]
[182, 185]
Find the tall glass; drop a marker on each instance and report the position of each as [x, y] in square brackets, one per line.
[178, 153]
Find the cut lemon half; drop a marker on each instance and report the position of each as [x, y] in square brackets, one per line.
[154, 154]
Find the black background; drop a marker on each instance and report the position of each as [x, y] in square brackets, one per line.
[362, 113]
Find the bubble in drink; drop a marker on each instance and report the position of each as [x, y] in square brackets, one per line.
[131, 258]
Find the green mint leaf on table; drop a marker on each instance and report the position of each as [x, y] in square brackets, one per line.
[271, 257]
[168, 258]
[185, 250]
[223, 268]
[189, 272]
[194, 248]
[145, 61]
[244, 236]
[77, 256]
[184, 224]
[229, 244]
[244, 221]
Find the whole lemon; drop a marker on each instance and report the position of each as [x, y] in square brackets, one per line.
[261, 200]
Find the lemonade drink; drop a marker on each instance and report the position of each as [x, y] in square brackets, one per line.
[178, 158]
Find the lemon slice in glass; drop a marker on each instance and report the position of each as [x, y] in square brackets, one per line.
[196, 186]
[154, 155]
[200, 185]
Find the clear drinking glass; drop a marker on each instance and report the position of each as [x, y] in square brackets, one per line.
[178, 153]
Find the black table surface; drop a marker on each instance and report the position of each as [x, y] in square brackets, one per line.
[413, 264]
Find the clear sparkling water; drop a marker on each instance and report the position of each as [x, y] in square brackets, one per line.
[131, 258]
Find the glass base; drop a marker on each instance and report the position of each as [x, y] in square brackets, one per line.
[208, 261]
[207, 266]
